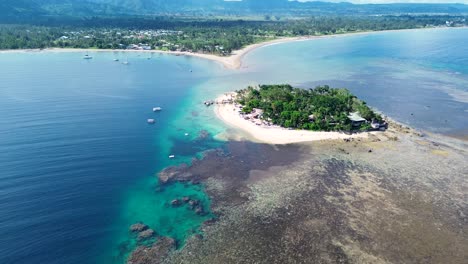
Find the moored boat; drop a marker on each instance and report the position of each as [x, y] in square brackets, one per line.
[208, 103]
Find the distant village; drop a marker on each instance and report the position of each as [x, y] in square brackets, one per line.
[160, 39]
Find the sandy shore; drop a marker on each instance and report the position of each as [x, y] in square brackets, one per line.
[229, 114]
[234, 61]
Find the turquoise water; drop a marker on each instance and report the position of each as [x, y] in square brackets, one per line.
[78, 159]
[419, 77]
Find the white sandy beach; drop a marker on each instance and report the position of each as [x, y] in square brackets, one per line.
[234, 61]
[229, 114]
[230, 62]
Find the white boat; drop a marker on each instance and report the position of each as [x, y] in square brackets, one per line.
[151, 121]
[172, 156]
[186, 134]
[157, 109]
[87, 57]
[126, 62]
[208, 103]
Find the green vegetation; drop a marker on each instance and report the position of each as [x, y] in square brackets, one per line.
[271, 8]
[322, 108]
[216, 36]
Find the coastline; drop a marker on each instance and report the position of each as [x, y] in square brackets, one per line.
[228, 113]
[299, 191]
[234, 61]
[328, 196]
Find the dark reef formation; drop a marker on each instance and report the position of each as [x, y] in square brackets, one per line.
[154, 254]
[138, 227]
[327, 202]
[148, 233]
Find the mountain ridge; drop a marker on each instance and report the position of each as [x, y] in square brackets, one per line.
[80, 8]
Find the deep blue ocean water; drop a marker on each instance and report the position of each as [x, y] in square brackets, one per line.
[77, 158]
[73, 139]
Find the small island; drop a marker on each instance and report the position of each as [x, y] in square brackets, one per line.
[281, 114]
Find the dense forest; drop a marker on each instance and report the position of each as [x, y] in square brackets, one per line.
[319, 109]
[31, 9]
[216, 36]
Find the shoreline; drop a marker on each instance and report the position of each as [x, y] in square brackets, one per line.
[229, 115]
[344, 181]
[233, 61]
[275, 135]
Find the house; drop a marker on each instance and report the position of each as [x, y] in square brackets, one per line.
[140, 46]
[145, 47]
[356, 119]
[375, 124]
[132, 47]
[312, 118]
[257, 113]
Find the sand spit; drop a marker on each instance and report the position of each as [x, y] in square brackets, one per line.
[234, 61]
[260, 132]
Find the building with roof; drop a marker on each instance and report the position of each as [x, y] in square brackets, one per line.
[356, 119]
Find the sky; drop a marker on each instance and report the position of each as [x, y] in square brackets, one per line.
[394, 1]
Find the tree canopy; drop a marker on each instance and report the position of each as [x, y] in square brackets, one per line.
[205, 35]
[322, 108]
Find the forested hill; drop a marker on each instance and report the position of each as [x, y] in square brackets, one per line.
[26, 10]
[32, 8]
[278, 7]
[19, 8]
